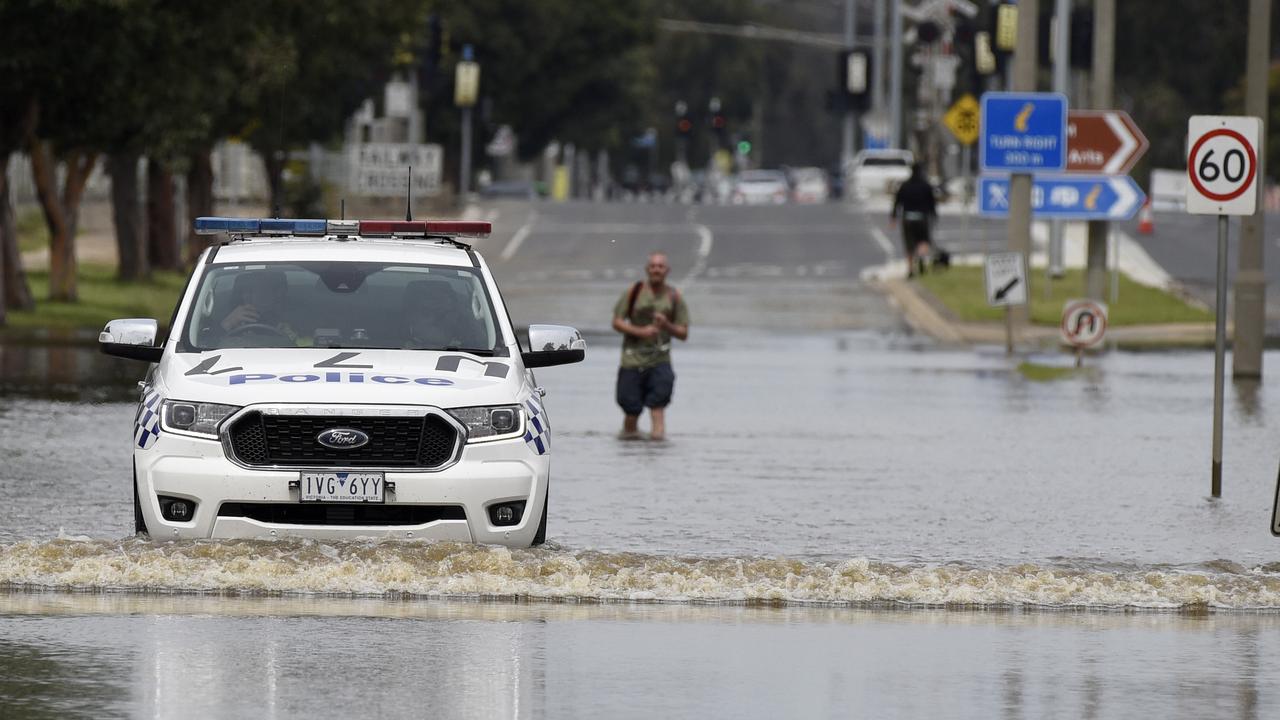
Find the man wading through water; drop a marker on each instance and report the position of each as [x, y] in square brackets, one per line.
[648, 315]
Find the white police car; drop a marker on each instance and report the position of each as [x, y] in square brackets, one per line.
[342, 379]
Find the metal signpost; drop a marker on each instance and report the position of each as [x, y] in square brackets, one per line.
[1084, 324]
[1006, 283]
[962, 120]
[1222, 166]
[1070, 197]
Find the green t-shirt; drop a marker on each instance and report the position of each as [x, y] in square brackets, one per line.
[644, 354]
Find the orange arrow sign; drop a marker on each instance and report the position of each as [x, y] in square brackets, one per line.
[1103, 141]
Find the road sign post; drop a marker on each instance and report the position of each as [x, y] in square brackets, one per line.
[1222, 166]
[1022, 133]
[1006, 285]
[962, 119]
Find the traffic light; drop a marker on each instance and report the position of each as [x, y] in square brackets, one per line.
[744, 147]
[1082, 38]
[684, 125]
[854, 71]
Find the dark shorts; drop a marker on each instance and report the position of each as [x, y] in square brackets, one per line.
[914, 232]
[650, 388]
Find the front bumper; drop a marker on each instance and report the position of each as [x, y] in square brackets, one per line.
[199, 471]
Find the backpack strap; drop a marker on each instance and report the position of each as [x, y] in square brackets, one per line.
[672, 294]
[631, 299]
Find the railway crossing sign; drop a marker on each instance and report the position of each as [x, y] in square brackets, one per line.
[962, 119]
[1006, 277]
[1222, 165]
[1084, 323]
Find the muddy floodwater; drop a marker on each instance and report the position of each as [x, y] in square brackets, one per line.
[841, 524]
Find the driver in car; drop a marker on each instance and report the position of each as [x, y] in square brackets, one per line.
[259, 298]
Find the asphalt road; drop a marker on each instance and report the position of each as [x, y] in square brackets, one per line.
[779, 267]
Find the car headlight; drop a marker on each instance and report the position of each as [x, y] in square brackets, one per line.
[498, 422]
[193, 418]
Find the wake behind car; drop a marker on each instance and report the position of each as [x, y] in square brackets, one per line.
[342, 379]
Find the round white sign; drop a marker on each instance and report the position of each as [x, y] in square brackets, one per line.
[1084, 322]
[1222, 165]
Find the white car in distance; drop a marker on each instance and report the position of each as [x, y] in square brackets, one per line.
[341, 379]
[809, 185]
[878, 173]
[760, 187]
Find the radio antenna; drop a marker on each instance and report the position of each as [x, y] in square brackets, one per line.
[408, 196]
[342, 204]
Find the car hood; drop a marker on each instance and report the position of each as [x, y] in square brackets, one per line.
[244, 376]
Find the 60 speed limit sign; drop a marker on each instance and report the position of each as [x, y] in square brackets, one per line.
[1222, 164]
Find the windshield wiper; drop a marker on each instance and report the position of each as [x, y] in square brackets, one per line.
[474, 351]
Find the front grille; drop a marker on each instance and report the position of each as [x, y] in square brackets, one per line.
[341, 513]
[290, 441]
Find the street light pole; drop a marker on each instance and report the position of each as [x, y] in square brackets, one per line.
[895, 75]
[1251, 283]
[1104, 61]
[1061, 63]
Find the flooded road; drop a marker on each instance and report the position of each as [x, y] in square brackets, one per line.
[847, 522]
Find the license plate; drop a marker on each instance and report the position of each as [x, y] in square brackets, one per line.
[342, 487]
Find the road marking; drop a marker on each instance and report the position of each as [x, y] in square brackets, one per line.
[705, 240]
[883, 241]
[516, 240]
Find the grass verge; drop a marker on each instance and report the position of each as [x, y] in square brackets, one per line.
[102, 298]
[962, 290]
[33, 233]
[1045, 373]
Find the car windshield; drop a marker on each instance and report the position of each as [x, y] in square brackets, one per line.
[341, 304]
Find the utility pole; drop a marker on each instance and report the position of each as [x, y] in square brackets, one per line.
[1251, 284]
[1061, 65]
[895, 75]
[1104, 65]
[847, 137]
[1025, 59]
[877, 61]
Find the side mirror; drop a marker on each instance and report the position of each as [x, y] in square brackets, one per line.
[554, 345]
[132, 338]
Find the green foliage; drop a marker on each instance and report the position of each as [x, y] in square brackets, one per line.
[961, 290]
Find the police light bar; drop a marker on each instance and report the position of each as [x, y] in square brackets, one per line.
[393, 227]
[276, 226]
[344, 227]
[215, 225]
[470, 228]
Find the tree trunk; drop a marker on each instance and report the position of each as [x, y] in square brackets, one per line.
[6, 225]
[199, 199]
[123, 167]
[15, 294]
[61, 212]
[162, 235]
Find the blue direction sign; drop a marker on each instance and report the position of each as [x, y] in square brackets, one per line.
[1023, 132]
[1071, 197]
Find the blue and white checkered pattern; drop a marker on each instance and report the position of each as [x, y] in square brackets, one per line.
[146, 425]
[538, 430]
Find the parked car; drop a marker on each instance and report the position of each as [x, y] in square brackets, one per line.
[341, 379]
[880, 172]
[809, 185]
[760, 187]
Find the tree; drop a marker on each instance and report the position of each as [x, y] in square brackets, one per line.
[326, 57]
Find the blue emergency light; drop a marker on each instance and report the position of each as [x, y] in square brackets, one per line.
[215, 225]
[294, 227]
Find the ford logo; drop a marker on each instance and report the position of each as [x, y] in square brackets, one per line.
[342, 438]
